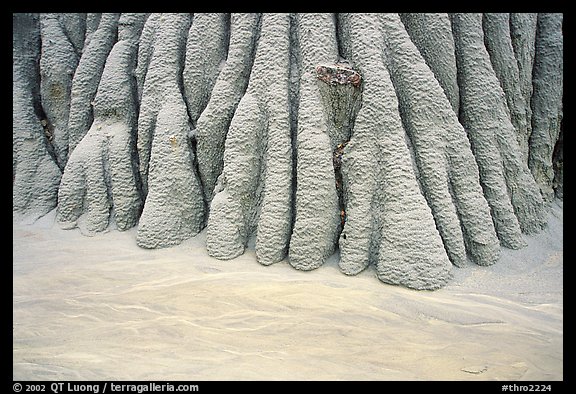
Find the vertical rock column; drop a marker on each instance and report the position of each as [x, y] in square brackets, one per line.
[523, 33]
[214, 121]
[101, 174]
[87, 78]
[546, 100]
[58, 61]
[275, 221]
[432, 35]
[253, 192]
[498, 41]
[317, 214]
[145, 50]
[382, 186]
[92, 22]
[35, 173]
[174, 206]
[206, 48]
[74, 25]
[509, 188]
[448, 171]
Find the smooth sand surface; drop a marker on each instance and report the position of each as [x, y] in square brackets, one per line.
[101, 308]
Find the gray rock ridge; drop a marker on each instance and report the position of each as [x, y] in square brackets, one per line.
[145, 49]
[58, 62]
[163, 56]
[275, 217]
[36, 175]
[401, 220]
[233, 208]
[509, 187]
[432, 35]
[87, 78]
[206, 49]
[100, 179]
[404, 143]
[316, 202]
[74, 25]
[92, 22]
[446, 165]
[498, 41]
[230, 85]
[546, 100]
[174, 206]
[252, 195]
[523, 33]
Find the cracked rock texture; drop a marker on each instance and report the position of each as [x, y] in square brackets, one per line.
[448, 147]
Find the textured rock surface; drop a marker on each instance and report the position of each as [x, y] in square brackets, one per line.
[498, 41]
[58, 62]
[174, 206]
[546, 100]
[87, 77]
[444, 159]
[253, 194]
[432, 35]
[405, 244]
[74, 25]
[509, 188]
[446, 144]
[35, 173]
[523, 33]
[101, 176]
[212, 125]
[206, 48]
[316, 202]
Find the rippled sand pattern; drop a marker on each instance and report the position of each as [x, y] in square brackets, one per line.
[100, 308]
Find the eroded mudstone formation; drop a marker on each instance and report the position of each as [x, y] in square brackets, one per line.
[174, 206]
[411, 143]
[546, 101]
[35, 173]
[253, 194]
[509, 187]
[100, 178]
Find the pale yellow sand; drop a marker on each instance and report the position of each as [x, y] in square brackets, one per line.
[101, 308]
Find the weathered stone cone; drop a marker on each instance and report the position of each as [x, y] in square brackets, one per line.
[411, 142]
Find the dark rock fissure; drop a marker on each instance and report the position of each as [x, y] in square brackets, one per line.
[191, 141]
[337, 163]
[228, 26]
[340, 88]
[294, 88]
[39, 109]
[558, 164]
[48, 134]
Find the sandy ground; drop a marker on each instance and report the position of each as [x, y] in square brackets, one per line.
[101, 308]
